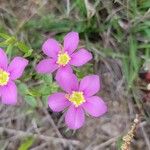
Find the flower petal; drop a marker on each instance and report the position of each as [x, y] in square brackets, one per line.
[67, 81]
[51, 48]
[46, 66]
[62, 70]
[74, 117]
[95, 106]
[57, 102]
[71, 41]
[17, 67]
[90, 85]
[0, 91]
[9, 94]
[3, 59]
[80, 57]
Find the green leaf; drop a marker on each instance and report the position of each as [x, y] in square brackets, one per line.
[26, 144]
[4, 36]
[3, 43]
[24, 48]
[144, 4]
[48, 79]
[133, 52]
[44, 90]
[28, 53]
[9, 49]
[11, 40]
[35, 92]
[31, 100]
[23, 89]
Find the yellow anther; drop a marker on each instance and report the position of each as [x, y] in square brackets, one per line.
[4, 77]
[63, 59]
[76, 98]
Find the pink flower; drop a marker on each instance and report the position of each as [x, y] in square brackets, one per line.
[62, 57]
[79, 98]
[8, 89]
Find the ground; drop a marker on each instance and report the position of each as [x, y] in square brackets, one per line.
[118, 35]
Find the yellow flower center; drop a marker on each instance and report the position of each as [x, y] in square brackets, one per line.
[4, 77]
[76, 98]
[63, 59]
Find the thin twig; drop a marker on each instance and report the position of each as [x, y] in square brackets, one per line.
[110, 141]
[21, 133]
[68, 7]
[52, 123]
[39, 147]
[147, 140]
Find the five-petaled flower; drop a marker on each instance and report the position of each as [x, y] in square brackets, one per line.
[79, 98]
[9, 73]
[62, 57]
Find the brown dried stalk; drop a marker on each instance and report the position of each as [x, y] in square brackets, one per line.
[129, 136]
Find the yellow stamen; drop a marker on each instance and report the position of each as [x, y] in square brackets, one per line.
[63, 59]
[4, 77]
[76, 98]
